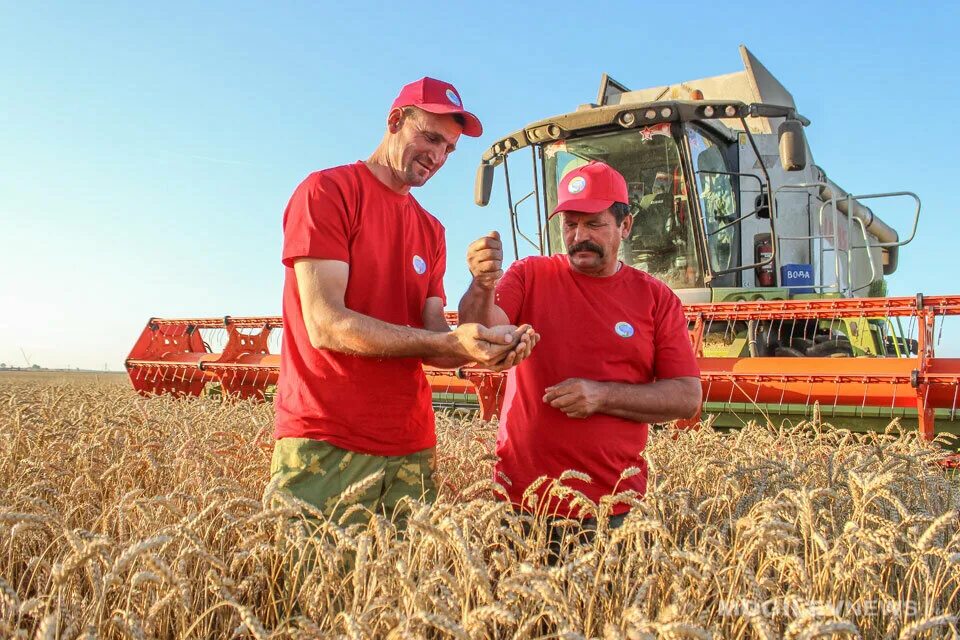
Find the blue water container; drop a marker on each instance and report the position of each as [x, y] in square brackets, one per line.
[797, 275]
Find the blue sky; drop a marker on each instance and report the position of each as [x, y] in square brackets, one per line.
[148, 149]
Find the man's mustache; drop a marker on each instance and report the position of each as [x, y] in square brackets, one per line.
[586, 245]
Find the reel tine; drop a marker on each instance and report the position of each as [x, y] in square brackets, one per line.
[953, 407]
[756, 399]
[836, 399]
[863, 403]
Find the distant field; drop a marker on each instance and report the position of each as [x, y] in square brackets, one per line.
[64, 377]
[122, 516]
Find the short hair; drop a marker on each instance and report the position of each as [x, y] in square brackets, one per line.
[620, 211]
[414, 112]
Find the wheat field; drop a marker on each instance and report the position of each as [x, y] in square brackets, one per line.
[122, 517]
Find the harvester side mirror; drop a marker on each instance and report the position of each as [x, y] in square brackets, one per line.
[483, 185]
[793, 145]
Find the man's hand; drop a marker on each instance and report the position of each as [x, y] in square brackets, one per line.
[528, 340]
[485, 260]
[576, 397]
[487, 346]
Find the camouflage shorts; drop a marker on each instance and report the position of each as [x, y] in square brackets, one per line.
[319, 473]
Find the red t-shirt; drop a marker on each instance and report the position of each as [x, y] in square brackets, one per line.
[397, 257]
[628, 328]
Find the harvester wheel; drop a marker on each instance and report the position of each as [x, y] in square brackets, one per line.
[800, 344]
[832, 348]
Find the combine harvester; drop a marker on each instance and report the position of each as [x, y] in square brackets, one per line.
[781, 271]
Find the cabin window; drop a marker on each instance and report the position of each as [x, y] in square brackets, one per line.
[662, 241]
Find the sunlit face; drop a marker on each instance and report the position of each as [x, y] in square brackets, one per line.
[593, 240]
[420, 143]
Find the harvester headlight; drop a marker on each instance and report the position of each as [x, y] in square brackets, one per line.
[627, 119]
[546, 132]
[708, 111]
[666, 111]
[650, 114]
[731, 111]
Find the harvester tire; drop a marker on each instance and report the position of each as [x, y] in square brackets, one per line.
[800, 344]
[832, 348]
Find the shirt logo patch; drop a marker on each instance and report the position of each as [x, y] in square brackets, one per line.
[624, 329]
[419, 265]
[577, 185]
[454, 98]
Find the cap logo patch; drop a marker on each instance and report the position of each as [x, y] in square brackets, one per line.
[624, 329]
[577, 184]
[453, 97]
[419, 265]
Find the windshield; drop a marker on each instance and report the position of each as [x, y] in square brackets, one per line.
[662, 241]
[717, 200]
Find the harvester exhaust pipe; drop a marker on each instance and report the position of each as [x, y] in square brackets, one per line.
[884, 232]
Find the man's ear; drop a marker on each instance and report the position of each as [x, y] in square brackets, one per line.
[395, 120]
[626, 226]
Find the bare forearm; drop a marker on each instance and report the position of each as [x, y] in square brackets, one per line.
[477, 305]
[347, 331]
[660, 401]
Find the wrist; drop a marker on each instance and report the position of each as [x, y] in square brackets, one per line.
[484, 287]
[603, 397]
[449, 345]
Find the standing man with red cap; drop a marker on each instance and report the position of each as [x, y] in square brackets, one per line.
[363, 306]
[615, 351]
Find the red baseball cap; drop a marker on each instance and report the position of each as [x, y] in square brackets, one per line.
[437, 96]
[591, 188]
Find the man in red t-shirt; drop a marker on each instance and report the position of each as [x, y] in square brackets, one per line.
[614, 356]
[363, 306]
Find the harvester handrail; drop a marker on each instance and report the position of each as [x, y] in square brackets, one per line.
[806, 186]
[867, 247]
[893, 194]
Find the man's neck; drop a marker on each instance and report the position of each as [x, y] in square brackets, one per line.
[380, 167]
